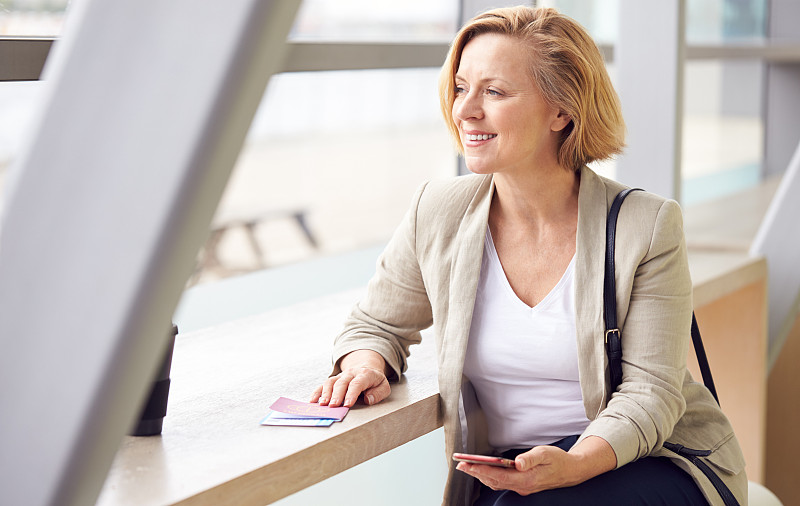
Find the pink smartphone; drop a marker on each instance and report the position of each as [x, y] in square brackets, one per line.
[483, 459]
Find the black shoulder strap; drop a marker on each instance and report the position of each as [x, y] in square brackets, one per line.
[702, 359]
[613, 337]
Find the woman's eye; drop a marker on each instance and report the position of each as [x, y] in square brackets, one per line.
[493, 92]
[459, 90]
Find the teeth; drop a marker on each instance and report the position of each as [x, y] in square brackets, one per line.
[481, 137]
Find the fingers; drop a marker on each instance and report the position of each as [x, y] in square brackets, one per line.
[377, 394]
[541, 468]
[323, 393]
[536, 456]
[521, 480]
[527, 460]
[317, 394]
[372, 383]
[345, 388]
[493, 477]
[497, 478]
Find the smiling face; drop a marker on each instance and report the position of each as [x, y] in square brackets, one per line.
[502, 119]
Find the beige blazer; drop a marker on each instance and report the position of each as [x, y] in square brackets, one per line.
[428, 275]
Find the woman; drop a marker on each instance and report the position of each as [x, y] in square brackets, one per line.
[507, 265]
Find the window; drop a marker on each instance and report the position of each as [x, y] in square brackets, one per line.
[333, 158]
[376, 20]
[340, 153]
[32, 17]
[723, 130]
[18, 100]
[722, 125]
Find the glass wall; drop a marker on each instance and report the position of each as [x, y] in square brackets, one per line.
[725, 20]
[723, 129]
[376, 20]
[333, 158]
[340, 153]
[32, 17]
[18, 100]
[599, 17]
[722, 138]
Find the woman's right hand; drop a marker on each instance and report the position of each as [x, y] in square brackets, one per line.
[363, 371]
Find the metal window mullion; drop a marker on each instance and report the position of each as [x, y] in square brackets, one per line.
[22, 58]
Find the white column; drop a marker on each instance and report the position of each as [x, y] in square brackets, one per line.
[649, 61]
[148, 105]
[778, 241]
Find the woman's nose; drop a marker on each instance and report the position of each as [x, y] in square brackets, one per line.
[467, 107]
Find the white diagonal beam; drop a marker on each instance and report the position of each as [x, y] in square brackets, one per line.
[147, 110]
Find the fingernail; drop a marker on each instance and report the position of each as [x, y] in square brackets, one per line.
[348, 402]
[323, 400]
[334, 401]
[370, 399]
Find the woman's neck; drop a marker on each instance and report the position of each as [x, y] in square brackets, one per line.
[535, 198]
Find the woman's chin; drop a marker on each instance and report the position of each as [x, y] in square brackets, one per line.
[477, 167]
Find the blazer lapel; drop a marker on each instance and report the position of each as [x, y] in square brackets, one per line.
[589, 271]
[464, 274]
[465, 270]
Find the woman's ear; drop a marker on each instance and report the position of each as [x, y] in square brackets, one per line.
[561, 121]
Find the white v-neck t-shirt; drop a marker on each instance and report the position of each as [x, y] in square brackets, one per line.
[523, 361]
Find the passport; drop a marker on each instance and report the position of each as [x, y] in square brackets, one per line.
[287, 411]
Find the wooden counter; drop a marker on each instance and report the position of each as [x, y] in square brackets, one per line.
[214, 451]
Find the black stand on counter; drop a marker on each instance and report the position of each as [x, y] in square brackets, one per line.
[154, 411]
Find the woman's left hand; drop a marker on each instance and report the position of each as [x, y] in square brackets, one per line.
[547, 467]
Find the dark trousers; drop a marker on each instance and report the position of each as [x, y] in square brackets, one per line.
[649, 481]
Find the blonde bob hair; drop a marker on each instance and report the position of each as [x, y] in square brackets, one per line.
[569, 71]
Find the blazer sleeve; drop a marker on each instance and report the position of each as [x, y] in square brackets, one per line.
[396, 307]
[655, 329]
